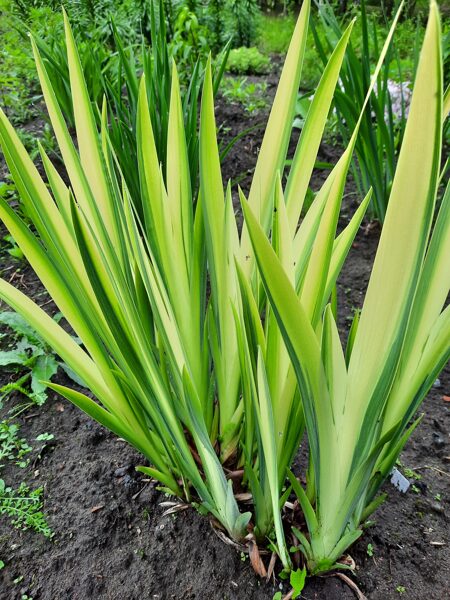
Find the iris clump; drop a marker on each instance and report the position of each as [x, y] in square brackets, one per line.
[212, 349]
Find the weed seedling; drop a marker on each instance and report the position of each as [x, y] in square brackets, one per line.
[140, 552]
[30, 352]
[24, 507]
[297, 580]
[410, 474]
[12, 447]
[249, 95]
[12, 248]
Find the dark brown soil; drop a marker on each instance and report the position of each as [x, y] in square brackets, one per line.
[111, 540]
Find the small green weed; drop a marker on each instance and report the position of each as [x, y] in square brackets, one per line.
[13, 447]
[249, 95]
[24, 507]
[410, 474]
[7, 190]
[46, 138]
[12, 248]
[28, 351]
[45, 437]
[297, 581]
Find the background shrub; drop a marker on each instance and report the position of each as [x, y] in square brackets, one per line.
[248, 61]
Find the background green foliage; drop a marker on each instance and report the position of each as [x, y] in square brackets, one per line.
[242, 21]
[248, 61]
[18, 88]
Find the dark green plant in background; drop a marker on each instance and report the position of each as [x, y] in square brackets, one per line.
[156, 62]
[114, 75]
[283, 6]
[93, 55]
[214, 20]
[242, 18]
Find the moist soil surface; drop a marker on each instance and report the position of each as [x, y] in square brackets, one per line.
[112, 540]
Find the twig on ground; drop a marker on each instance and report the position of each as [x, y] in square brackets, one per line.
[432, 469]
[352, 585]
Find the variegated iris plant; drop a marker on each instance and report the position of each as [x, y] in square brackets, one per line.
[358, 404]
[210, 362]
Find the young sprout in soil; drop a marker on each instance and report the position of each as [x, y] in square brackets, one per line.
[13, 447]
[297, 581]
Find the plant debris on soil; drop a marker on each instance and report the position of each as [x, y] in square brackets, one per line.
[111, 539]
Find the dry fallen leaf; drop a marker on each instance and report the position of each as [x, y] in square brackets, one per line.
[59, 407]
[243, 497]
[95, 509]
[255, 559]
[348, 561]
[273, 560]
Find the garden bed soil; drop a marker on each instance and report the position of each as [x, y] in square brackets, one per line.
[111, 539]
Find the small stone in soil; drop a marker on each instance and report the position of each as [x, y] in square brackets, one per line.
[128, 481]
[437, 508]
[438, 440]
[121, 471]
